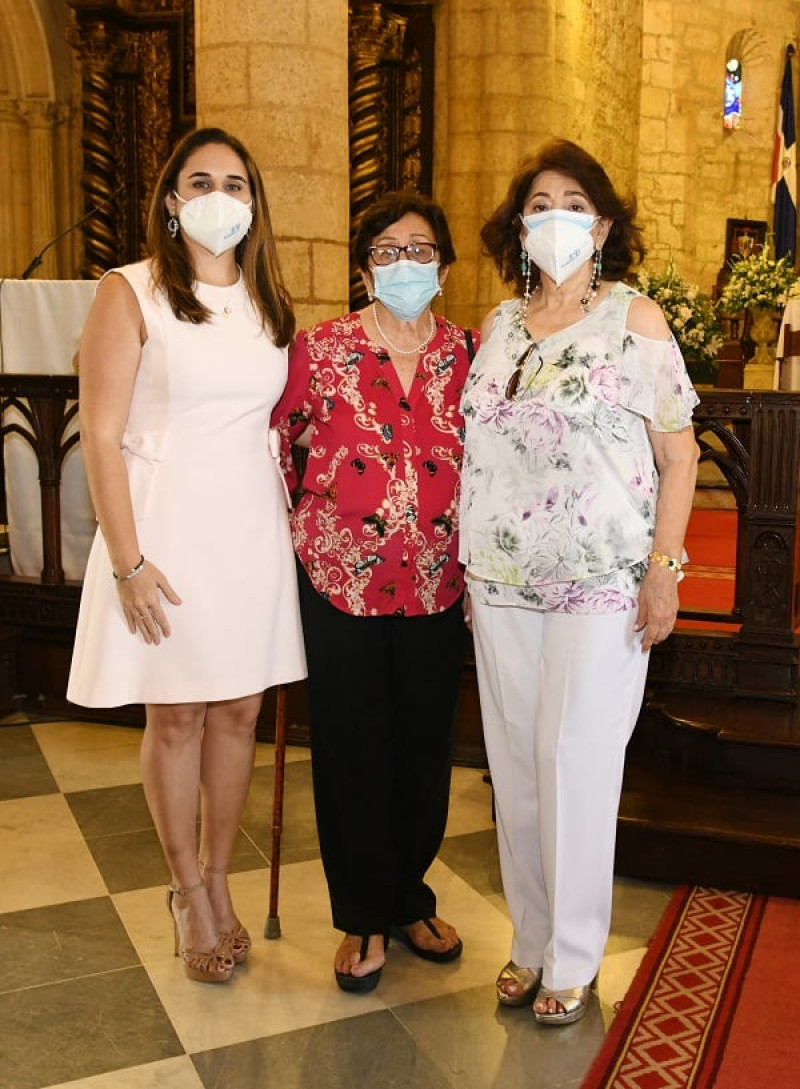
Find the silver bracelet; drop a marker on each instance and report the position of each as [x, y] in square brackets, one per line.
[134, 571]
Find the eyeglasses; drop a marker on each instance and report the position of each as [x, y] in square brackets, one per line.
[421, 252]
[512, 386]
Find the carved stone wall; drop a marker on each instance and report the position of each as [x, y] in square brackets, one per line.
[511, 74]
[692, 173]
[280, 83]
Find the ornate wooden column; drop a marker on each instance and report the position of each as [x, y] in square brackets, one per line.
[391, 105]
[376, 38]
[97, 47]
[137, 60]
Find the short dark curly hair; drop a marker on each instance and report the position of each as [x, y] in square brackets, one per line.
[392, 206]
[501, 232]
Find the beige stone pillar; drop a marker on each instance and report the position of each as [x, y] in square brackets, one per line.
[512, 74]
[491, 55]
[275, 75]
[39, 115]
[13, 212]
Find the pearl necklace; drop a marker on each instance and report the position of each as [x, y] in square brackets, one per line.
[403, 351]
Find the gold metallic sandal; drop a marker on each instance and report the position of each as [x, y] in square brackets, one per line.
[573, 1002]
[237, 938]
[215, 966]
[527, 979]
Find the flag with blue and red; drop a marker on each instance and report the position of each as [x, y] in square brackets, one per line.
[784, 169]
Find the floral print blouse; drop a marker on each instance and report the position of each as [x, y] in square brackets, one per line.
[559, 485]
[377, 525]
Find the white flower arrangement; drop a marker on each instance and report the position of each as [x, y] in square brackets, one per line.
[690, 315]
[758, 281]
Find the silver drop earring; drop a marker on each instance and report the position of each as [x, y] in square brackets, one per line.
[173, 226]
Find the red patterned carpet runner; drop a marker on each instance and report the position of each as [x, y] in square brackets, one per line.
[716, 1001]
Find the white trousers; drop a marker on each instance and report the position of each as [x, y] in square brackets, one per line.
[560, 694]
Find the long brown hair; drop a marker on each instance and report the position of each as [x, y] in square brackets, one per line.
[256, 254]
[501, 232]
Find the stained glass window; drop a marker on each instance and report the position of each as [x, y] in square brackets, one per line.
[732, 114]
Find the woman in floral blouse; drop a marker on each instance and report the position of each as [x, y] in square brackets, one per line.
[376, 397]
[579, 472]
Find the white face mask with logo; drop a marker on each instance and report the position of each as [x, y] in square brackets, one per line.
[216, 221]
[559, 242]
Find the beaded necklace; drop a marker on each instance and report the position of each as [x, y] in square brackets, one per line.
[403, 351]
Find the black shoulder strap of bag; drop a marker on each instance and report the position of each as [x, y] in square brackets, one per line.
[470, 344]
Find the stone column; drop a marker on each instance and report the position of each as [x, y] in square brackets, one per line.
[487, 64]
[275, 76]
[14, 210]
[512, 74]
[39, 114]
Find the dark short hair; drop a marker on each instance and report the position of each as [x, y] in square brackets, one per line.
[501, 232]
[390, 207]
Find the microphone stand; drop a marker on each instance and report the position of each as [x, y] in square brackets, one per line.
[37, 260]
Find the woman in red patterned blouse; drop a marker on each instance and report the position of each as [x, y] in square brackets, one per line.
[375, 396]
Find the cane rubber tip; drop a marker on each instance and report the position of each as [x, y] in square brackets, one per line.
[273, 928]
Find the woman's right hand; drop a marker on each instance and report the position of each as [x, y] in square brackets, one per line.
[142, 603]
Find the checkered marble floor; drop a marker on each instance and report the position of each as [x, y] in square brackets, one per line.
[91, 995]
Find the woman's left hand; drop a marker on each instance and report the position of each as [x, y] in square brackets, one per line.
[658, 605]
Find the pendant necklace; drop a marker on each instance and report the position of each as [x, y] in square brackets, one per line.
[403, 351]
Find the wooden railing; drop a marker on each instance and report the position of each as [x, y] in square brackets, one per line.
[47, 405]
[753, 437]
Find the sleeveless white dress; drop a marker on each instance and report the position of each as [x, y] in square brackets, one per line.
[211, 512]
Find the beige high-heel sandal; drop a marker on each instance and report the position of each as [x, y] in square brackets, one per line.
[527, 979]
[214, 967]
[237, 938]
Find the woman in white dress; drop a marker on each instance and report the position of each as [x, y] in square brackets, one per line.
[190, 600]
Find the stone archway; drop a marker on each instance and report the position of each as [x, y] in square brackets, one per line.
[36, 146]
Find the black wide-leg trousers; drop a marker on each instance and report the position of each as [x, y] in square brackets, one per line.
[382, 694]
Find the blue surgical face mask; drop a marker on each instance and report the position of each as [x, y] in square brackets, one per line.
[406, 287]
[559, 242]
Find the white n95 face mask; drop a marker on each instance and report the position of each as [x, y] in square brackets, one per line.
[559, 242]
[216, 221]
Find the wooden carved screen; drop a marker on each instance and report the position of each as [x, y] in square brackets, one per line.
[137, 70]
[391, 106]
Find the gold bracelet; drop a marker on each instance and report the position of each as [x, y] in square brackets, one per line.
[666, 561]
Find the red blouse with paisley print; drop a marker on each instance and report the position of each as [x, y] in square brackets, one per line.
[376, 525]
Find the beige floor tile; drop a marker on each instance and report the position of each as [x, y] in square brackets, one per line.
[265, 754]
[485, 931]
[497, 900]
[616, 975]
[45, 857]
[286, 984]
[470, 802]
[85, 756]
[168, 1074]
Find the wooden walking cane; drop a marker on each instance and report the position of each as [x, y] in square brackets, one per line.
[272, 929]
